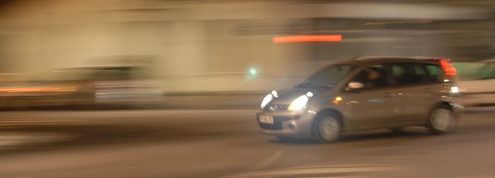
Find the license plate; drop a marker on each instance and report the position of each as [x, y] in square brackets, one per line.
[266, 119]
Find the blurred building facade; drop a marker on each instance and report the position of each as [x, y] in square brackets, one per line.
[226, 45]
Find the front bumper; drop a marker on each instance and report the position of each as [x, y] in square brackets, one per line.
[287, 123]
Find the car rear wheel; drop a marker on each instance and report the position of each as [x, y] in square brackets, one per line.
[326, 129]
[442, 120]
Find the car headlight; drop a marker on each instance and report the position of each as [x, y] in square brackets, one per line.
[275, 93]
[266, 100]
[299, 103]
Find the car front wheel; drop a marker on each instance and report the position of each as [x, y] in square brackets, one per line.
[326, 129]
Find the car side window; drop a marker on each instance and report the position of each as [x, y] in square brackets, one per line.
[434, 72]
[408, 73]
[374, 76]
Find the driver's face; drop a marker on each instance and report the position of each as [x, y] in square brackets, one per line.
[373, 75]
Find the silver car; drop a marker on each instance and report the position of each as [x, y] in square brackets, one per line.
[84, 86]
[477, 83]
[362, 94]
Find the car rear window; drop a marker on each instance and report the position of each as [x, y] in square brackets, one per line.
[408, 73]
[434, 72]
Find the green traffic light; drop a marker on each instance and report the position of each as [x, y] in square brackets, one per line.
[252, 71]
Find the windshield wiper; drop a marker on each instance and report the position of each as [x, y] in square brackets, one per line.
[308, 85]
[324, 86]
[303, 85]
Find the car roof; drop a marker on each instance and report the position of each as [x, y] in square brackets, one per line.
[380, 59]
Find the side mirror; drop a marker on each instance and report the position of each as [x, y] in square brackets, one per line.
[354, 86]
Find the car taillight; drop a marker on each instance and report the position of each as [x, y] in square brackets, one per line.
[447, 67]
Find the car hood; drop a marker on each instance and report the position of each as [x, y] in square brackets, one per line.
[288, 95]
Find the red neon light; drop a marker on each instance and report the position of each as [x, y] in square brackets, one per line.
[306, 38]
[447, 67]
[27, 89]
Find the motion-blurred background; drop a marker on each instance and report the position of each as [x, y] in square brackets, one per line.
[228, 45]
[209, 63]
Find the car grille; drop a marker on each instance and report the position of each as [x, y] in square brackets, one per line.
[277, 107]
[277, 123]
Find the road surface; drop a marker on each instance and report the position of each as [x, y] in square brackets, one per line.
[225, 143]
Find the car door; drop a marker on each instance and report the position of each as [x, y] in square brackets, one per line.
[414, 92]
[370, 106]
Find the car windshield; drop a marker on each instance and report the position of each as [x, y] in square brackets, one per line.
[326, 77]
[475, 71]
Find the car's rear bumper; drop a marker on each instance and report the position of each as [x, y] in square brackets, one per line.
[458, 108]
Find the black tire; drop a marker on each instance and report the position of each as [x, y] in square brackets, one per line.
[441, 120]
[327, 129]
